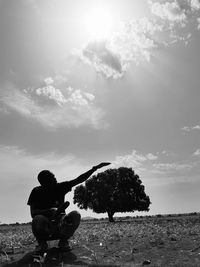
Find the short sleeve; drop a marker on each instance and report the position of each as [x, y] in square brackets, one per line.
[65, 187]
[32, 198]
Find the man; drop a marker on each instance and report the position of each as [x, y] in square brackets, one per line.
[44, 202]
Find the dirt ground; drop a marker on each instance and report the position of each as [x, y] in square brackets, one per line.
[165, 241]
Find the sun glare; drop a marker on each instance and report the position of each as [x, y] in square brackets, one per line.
[98, 23]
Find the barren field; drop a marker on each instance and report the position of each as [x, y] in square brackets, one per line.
[154, 241]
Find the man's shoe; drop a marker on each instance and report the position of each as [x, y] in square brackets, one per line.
[41, 247]
[64, 245]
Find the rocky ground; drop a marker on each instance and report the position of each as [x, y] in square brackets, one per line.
[166, 241]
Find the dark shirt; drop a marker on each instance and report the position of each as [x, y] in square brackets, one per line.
[46, 198]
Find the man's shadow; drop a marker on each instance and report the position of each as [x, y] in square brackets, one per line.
[53, 257]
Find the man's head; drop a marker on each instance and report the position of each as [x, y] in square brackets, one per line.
[46, 178]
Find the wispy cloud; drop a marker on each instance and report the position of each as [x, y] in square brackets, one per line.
[54, 107]
[198, 23]
[159, 165]
[197, 152]
[22, 162]
[14, 99]
[134, 160]
[49, 80]
[151, 156]
[191, 128]
[171, 167]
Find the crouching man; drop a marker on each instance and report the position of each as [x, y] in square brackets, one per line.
[49, 221]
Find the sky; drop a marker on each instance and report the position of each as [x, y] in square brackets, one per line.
[88, 81]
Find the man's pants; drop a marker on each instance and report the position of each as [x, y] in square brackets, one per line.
[63, 228]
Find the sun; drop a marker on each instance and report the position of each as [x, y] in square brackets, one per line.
[99, 23]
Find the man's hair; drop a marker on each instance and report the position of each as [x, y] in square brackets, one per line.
[44, 176]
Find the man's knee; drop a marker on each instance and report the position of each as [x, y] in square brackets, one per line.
[69, 224]
[73, 218]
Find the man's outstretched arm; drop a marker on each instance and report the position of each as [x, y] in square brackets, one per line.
[83, 177]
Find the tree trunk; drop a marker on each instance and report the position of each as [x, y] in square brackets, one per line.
[110, 216]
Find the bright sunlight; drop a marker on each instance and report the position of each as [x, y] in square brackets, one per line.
[99, 23]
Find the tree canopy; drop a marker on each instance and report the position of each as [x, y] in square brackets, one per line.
[114, 190]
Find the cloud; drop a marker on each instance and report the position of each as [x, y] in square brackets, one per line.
[103, 59]
[197, 127]
[52, 93]
[21, 161]
[195, 5]
[170, 167]
[178, 13]
[49, 80]
[170, 12]
[78, 99]
[186, 129]
[150, 156]
[191, 128]
[89, 96]
[134, 41]
[131, 42]
[150, 165]
[12, 98]
[73, 96]
[59, 79]
[52, 108]
[198, 22]
[197, 152]
[134, 160]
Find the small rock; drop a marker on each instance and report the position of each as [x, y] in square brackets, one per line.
[134, 250]
[146, 262]
[173, 238]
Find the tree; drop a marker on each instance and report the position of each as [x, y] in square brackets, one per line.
[114, 190]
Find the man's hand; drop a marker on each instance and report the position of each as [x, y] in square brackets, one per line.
[103, 164]
[52, 212]
[62, 208]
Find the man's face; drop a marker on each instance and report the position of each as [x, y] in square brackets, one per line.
[52, 180]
